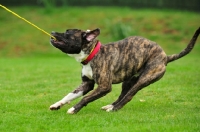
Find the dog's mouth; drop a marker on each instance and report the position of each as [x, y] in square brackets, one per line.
[59, 42]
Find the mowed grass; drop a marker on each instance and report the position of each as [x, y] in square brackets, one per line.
[34, 75]
[30, 85]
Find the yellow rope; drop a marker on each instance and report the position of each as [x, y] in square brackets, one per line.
[27, 21]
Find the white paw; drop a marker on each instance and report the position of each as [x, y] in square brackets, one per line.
[71, 110]
[107, 107]
[56, 106]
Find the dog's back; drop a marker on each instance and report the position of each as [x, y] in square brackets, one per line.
[129, 56]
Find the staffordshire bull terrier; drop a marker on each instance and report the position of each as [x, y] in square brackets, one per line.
[135, 61]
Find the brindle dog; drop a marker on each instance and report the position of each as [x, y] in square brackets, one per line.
[135, 61]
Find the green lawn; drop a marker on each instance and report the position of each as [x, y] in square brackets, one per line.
[33, 74]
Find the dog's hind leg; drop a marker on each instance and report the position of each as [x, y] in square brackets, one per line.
[152, 72]
[86, 86]
[126, 85]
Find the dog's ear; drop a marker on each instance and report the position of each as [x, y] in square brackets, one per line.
[91, 35]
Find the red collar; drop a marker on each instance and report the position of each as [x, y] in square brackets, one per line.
[93, 52]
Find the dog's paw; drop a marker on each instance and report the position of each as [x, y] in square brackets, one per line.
[71, 111]
[109, 110]
[107, 107]
[55, 106]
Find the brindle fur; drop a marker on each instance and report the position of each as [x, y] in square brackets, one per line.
[135, 61]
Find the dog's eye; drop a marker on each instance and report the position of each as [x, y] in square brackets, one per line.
[83, 34]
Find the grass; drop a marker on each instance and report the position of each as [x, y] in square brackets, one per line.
[34, 75]
[30, 85]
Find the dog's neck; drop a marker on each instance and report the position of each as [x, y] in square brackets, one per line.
[79, 57]
[93, 52]
[87, 55]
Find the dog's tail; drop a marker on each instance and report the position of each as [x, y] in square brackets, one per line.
[187, 50]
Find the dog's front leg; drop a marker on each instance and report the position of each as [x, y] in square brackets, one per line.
[83, 89]
[104, 87]
[97, 93]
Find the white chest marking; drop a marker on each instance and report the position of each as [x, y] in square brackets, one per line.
[79, 57]
[87, 71]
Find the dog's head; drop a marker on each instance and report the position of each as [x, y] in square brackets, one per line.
[73, 40]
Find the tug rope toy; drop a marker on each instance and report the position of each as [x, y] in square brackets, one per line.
[27, 21]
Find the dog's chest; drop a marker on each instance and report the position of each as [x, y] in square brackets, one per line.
[87, 71]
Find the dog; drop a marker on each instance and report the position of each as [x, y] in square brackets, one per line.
[136, 62]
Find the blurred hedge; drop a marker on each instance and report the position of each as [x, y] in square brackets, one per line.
[191, 5]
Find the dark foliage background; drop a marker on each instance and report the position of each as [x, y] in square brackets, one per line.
[191, 5]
